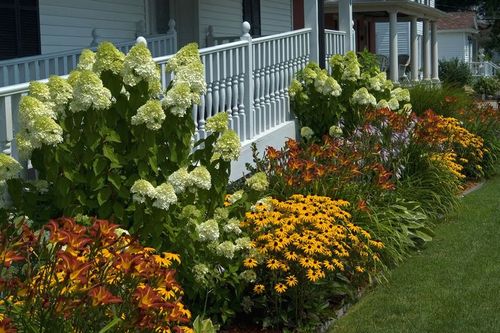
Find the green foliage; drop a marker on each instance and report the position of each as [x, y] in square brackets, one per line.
[455, 72]
[445, 100]
[485, 85]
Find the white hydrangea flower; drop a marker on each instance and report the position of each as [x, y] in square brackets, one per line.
[141, 190]
[243, 243]
[309, 74]
[164, 196]
[39, 91]
[86, 60]
[375, 84]
[187, 55]
[221, 214]
[337, 61]
[25, 145]
[46, 131]
[306, 132]
[180, 180]
[30, 109]
[88, 91]
[402, 95]
[232, 226]
[178, 99]
[200, 177]
[226, 249]
[332, 87]
[9, 167]
[61, 92]
[200, 271]
[258, 182]
[138, 66]
[194, 75]
[363, 97]
[382, 104]
[335, 131]
[249, 276]
[407, 108]
[232, 198]
[150, 114]
[295, 88]
[266, 202]
[217, 123]
[393, 104]
[108, 58]
[228, 146]
[208, 231]
[351, 72]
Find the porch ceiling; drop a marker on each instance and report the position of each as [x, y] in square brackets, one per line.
[403, 7]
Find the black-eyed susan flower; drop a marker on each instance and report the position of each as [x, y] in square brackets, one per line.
[259, 289]
[250, 263]
[291, 281]
[280, 287]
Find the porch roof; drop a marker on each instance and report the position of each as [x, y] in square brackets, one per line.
[404, 7]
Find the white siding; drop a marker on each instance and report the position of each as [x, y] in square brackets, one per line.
[382, 38]
[225, 16]
[275, 16]
[451, 45]
[68, 24]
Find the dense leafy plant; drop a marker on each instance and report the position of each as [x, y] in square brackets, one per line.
[69, 277]
[489, 86]
[445, 100]
[303, 245]
[455, 72]
[320, 100]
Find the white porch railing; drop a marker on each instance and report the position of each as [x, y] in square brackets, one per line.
[484, 68]
[334, 43]
[40, 67]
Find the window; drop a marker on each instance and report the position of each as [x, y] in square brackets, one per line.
[251, 14]
[19, 28]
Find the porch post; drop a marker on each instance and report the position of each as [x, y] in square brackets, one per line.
[393, 47]
[414, 50]
[427, 51]
[311, 21]
[435, 59]
[345, 23]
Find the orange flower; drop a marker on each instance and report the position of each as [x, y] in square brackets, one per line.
[101, 296]
[147, 298]
[7, 257]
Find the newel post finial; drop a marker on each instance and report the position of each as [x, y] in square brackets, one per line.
[141, 40]
[171, 26]
[245, 27]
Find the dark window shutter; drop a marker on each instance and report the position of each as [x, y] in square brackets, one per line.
[19, 28]
[251, 14]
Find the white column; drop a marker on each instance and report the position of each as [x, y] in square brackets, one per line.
[435, 58]
[427, 51]
[414, 50]
[393, 46]
[311, 21]
[345, 23]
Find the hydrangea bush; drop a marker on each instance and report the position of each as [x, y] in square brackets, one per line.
[322, 99]
[111, 143]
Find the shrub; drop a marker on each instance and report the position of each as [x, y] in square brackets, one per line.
[486, 85]
[455, 72]
[69, 277]
[444, 100]
[320, 100]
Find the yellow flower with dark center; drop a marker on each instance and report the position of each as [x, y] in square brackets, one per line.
[273, 264]
[290, 255]
[291, 281]
[250, 263]
[359, 269]
[259, 289]
[280, 288]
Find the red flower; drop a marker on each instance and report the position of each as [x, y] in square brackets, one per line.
[101, 296]
[7, 257]
[148, 298]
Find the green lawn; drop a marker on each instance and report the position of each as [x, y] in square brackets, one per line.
[453, 285]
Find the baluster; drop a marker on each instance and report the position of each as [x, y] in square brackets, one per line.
[209, 73]
[229, 92]
[267, 74]
[272, 83]
[47, 67]
[288, 73]
[16, 74]
[56, 66]
[256, 97]
[65, 65]
[262, 93]
[36, 63]
[216, 87]
[27, 74]
[222, 71]
[282, 107]
[234, 88]
[241, 91]
[200, 119]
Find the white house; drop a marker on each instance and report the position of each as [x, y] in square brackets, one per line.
[457, 36]
[399, 30]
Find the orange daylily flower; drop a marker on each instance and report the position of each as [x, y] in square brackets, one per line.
[102, 296]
